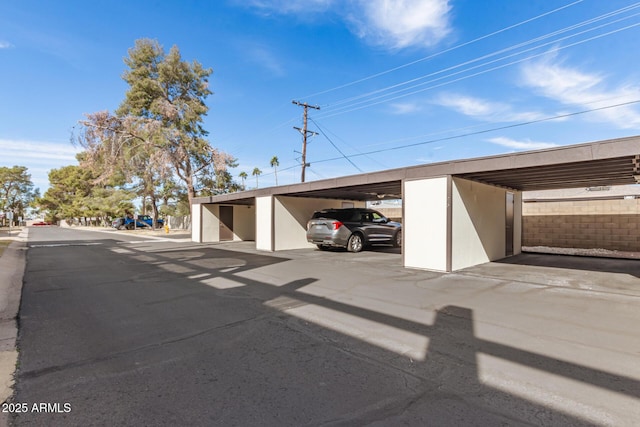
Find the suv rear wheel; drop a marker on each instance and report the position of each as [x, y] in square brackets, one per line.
[355, 243]
[397, 239]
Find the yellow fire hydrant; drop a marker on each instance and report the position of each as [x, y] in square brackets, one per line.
[166, 228]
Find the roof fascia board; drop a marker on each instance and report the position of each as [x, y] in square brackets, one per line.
[558, 155]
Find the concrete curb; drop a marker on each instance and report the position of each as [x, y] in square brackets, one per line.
[12, 267]
[174, 236]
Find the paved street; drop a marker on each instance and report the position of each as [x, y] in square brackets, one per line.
[115, 329]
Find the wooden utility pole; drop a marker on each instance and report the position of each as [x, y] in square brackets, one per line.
[304, 133]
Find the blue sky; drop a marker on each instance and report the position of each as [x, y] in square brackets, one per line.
[398, 83]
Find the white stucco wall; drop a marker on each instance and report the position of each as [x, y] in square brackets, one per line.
[264, 223]
[244, 222]
[196, 223]
[210, 223]
[425, 223]
[478, 223]
[291, 215]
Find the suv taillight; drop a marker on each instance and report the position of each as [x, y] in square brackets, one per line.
[336, 224]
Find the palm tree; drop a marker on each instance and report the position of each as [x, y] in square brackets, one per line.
[243, 177]
[256, 172]
[274, 164]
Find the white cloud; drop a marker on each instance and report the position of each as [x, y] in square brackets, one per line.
[484, 110]
[551, 78]
[521, 145]
[287, 7]
[263, 57]
[399, 24]
[394, 24]
[5, 44]
[38, 156]
[16, 150]
[468, 105]
[404, 108]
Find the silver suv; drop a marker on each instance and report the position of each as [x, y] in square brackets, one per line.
[352, 228]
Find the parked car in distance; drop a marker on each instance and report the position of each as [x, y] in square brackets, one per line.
[143, 221]
[352, 228]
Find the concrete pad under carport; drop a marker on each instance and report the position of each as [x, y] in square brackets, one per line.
[597, 275]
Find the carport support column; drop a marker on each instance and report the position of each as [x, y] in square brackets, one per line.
[205, 223]
[427, 223]
[265, 223]
[196, 223]
[210, 228]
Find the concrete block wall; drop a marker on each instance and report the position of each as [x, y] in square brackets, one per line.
[179, 222]
[584, 224]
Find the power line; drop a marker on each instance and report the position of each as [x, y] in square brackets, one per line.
[355, 105]
[349, 108]
[336, 147]
[369, 103]
[316, 173]
[511, 48]
[462, 128]
[328, 131]
[449, 138]
[382, 73]
[560, 116]
[402, 93]
[289, 121]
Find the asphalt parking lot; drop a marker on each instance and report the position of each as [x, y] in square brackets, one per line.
[332, 337]
[545, 339]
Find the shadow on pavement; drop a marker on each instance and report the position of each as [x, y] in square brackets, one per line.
[204, 324]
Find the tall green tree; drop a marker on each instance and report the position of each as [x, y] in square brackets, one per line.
[167, 97]
[69, 187]
[174, 199]
[256, 172]
[160, 122]
[73, 193]
[274, 164]
[243, 176]
[16, 190]
[119, 151]
[213, 182]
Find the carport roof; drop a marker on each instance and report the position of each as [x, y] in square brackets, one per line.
[610, 162]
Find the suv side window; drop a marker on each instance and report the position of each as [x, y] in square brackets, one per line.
[342, 216]
[376, 217]
[355, 216]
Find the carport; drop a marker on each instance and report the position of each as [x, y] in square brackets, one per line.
[456, 214]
